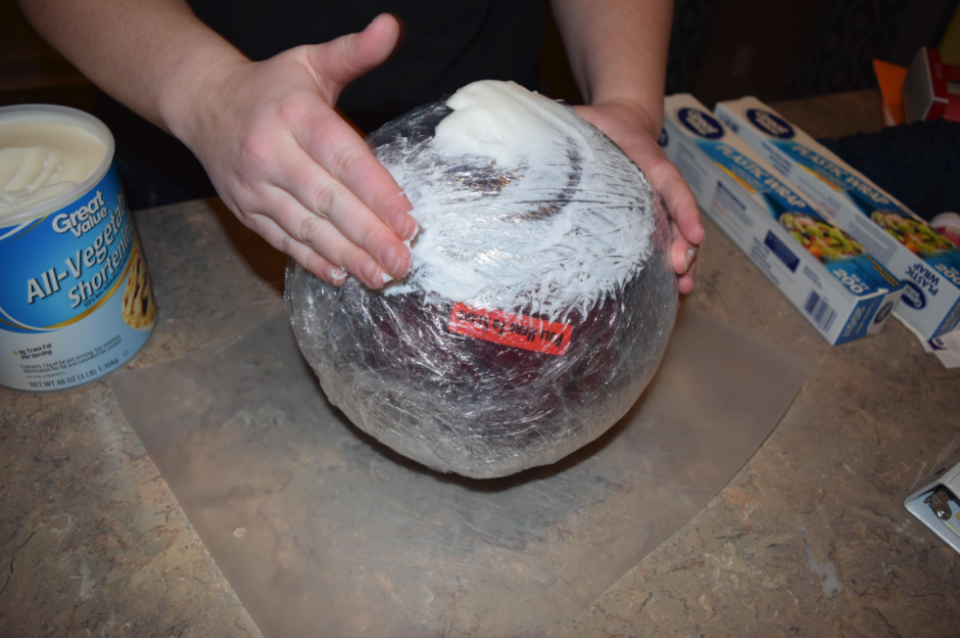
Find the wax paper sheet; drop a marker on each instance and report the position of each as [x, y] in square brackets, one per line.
[322, 531]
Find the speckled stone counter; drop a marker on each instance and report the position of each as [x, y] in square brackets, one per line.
[809, 539]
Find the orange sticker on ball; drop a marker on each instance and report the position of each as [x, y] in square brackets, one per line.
[516, 331]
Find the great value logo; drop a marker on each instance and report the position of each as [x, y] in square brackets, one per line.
[913, 296]
[771, 124]
[83, 219]
[883, 313]
[700, 123]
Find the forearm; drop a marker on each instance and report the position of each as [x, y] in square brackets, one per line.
[618, 51]
[618, 54]
[152, 55]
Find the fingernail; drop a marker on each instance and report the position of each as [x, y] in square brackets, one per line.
[369, 270]
[703, 234]
[390, 258]
[338, 275]
[402, 224]
[688, 259]
[412, 229]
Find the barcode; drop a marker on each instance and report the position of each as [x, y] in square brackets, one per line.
[822, 314]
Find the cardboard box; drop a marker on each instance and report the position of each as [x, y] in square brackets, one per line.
[843, 292]
[926, 262]
[931, 89]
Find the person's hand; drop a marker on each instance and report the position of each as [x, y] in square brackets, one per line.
[636, 135]
[289, 166]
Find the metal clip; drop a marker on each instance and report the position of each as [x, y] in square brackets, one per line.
[939, 502]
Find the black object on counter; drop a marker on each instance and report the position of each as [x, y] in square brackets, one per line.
[918, 163]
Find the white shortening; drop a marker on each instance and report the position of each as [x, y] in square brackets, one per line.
[562, 219]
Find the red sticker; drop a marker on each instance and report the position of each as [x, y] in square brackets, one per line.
[516, 331]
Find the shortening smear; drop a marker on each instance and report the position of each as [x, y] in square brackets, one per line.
[521, 204]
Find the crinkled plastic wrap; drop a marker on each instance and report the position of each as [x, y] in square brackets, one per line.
[539, 302]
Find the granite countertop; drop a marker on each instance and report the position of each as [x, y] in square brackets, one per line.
[810, 538]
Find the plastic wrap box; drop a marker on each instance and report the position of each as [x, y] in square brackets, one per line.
[843, 292]
[926, 262]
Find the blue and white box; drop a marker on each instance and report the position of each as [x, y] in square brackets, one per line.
[843, 291]
[926, 262]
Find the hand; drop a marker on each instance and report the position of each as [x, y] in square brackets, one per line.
[637, 135]
[289, 166]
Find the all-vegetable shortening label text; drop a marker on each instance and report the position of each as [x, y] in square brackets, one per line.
[89, 271]
[75, 299]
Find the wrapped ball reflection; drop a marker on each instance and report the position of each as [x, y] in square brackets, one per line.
[540, 298]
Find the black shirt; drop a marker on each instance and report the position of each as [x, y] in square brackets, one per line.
[445, 45]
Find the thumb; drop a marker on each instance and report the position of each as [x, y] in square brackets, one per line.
[341, 61]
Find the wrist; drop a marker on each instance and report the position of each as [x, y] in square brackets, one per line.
[647, 114]
[189, 95]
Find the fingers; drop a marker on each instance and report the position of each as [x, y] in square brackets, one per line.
[343, 60]
[685, 283]
[323, 196]
[317, 244]
[622, 127]
[682, 206]
[340, 150]
[685, 220]
[293, 170]
[334, 145]
[352, 210]
[683, 257]
[301, 253]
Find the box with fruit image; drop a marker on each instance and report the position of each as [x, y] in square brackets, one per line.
[842, 290]
[925, 261]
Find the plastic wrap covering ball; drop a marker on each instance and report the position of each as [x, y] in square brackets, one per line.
[540, 297]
